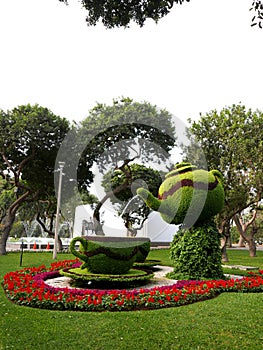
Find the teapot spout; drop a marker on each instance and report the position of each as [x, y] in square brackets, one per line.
[151, 201]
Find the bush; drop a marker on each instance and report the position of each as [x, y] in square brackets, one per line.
[196, 252]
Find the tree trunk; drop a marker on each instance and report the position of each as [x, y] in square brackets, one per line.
[96, 214]
[60, 245]
[96, 220]
[8, 222]
[242, 228]
[252, 248]
[230, 241]
[224, 230]
[50, 230]
[131, 232]
[241, 242]
[125, 168]
[3, 240]
[224, 254]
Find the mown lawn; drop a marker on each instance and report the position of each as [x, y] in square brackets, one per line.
[230, 321]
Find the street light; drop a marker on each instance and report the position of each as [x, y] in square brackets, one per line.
[55, 248]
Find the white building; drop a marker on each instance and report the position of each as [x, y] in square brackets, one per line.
[154, 227]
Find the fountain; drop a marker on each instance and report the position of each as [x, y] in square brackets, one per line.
[129, 203]
[187, 195]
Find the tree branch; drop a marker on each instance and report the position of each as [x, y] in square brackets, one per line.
[125, 168]
[42, 224]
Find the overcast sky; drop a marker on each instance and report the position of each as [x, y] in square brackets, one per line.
[203, 55]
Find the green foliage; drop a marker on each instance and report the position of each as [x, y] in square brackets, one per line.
[7, 197]
[124, 184]
[130, 279]
[18, 230]
[120, 13]
[238, 272]
[151, 201]
[110, 255]
[257, 226]
[121, 131]
[196, 193]
[196, 253]
[231, 140]
[234, 234]
[138, 173]
[64, 231]
[104, 262]
[30, 138]
[37, 232]
[257, 7]
[181, 328]
[143, 252]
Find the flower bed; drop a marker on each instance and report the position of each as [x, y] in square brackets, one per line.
[27, 287]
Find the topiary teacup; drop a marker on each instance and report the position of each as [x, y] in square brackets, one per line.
[110, 255]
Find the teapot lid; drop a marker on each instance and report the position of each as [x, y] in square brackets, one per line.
[181, 168]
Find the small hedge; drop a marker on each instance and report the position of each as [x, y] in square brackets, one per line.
[130, 279]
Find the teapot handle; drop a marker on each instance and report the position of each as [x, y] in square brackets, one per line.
[75, 252]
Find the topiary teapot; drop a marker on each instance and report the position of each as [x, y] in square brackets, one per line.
[187, 194]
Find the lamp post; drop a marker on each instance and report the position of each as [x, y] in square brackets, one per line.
[55, 248]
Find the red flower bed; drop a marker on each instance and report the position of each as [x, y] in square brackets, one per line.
[28, 287]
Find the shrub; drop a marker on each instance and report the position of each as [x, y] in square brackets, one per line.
[196, 252]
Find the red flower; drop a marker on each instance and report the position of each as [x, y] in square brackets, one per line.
[28, 287]
[150, 300]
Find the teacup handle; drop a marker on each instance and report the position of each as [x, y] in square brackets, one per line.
[75, 252]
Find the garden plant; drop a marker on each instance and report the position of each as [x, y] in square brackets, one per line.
[194, 254]
[28, 287]
[191, 197]
[231, 319]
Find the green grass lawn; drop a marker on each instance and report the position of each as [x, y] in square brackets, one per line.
[230, 321]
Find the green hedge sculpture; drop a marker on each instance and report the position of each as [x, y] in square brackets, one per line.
[191, 195]
[187, 190]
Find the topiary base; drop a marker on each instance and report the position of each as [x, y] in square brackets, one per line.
[196, 253]
[132, 278]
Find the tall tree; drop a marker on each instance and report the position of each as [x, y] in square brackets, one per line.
[120, 13]
[232, 141]
[121, 132]
[30, 137]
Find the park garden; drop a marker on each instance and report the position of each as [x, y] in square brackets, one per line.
[204, 179]
[225, 321]
[209, 305]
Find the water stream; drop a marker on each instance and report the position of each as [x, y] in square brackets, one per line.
[128, 204]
